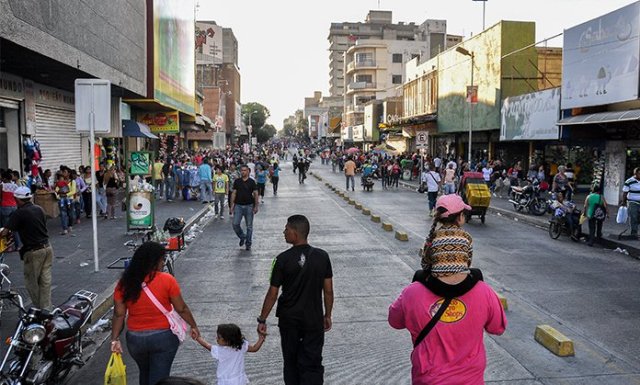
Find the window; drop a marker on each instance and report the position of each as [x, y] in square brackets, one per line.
[396, 58]
[364, 78]
[396, 79]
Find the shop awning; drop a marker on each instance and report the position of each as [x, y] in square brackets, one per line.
[136, 129]
[601, 117]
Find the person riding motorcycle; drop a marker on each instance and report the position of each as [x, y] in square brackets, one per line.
[564, 208]
[367, 170]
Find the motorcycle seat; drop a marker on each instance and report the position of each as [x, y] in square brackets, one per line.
[66, 326]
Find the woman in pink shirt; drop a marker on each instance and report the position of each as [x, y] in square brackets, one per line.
[452, 352]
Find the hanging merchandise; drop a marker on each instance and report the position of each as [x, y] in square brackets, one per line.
[163, 146]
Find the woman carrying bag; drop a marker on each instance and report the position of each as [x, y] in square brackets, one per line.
[150, 340]
[448, 307]
[595, 208]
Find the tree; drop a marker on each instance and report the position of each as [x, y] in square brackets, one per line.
[289, 130]
[265, 133]
[256, 114]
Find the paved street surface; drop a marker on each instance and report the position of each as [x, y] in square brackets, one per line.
[583, 292]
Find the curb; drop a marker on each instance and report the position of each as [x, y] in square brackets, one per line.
[104, 301]
[526, 219]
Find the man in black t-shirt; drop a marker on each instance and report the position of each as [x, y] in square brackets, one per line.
[30, 222]
[244, 203]
[306, 277]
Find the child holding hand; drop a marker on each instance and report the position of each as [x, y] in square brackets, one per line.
[230, 350]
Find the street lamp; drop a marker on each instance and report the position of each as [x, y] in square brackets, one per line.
[470, 97]
[250, 128]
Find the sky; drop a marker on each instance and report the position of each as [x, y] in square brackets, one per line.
[283, 46]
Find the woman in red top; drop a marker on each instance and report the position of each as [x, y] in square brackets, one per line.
[150, 340]
[7, 202]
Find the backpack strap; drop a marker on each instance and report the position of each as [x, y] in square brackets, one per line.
[432, 322]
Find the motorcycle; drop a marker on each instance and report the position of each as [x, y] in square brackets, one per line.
[45, 345]
[558, 224]
[367, 183]
[528, 198]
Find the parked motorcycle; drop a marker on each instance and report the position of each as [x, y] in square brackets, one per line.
[45, 345]
[528, 198]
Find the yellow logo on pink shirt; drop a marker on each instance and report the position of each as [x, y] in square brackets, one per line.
[454, 313]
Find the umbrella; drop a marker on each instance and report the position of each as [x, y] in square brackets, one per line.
[352, 150]
[383, 147]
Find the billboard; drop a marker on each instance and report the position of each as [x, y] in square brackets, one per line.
[531, 117]
[208, 43]
[161, 122]
[173, 54]
[600, 59]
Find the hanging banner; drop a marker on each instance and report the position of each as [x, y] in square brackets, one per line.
[161, 122]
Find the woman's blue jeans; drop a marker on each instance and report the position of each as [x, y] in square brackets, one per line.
[67, 212]
[153, 351]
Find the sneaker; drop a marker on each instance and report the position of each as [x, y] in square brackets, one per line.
[64, 232]
[215, 216]
[221, 216]
[241, 243]
[248, 248]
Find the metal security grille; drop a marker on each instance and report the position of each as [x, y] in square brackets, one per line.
[59, 142]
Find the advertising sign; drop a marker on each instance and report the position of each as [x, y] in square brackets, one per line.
[173, 56]
[208, 43]
[140, 210]
[140, 162]
[472, 94]
[531, 117]
[161, 122]
[600, 59]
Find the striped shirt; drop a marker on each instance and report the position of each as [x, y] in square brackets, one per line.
[632, 187]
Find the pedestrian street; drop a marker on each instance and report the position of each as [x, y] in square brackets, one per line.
[222, 283]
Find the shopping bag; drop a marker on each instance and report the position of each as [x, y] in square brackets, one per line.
[623, 214]
[583, 219]
[116, 373]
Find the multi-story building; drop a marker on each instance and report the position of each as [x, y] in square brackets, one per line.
[367, 59]
[218, 78]
[41, 55]
[319, 111]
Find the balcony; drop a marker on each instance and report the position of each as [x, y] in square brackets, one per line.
[355, 109]
[360, 86]
[365, 64]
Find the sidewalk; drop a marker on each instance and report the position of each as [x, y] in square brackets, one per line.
[610, 229]
[73, 265]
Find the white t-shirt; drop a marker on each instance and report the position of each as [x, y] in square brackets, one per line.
[486, 173]
[252, 170]
[432, 178]
[455, 165]
[437, 162]
[230, 364]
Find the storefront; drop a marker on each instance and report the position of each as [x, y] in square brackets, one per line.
[55, 131]
[11, 97]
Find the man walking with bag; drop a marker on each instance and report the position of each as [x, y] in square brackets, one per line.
[30, 221]
[306, 277]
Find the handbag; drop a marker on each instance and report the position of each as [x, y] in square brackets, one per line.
[177, 325]
[583, 219]
[623, 215]
[116, 373]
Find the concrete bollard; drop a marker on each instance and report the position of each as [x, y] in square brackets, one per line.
[402, 236]
[375, 218]
[366, 211]
[387, 226]
[503, 301]
[555, 341]
[352, 202]
[358, 206]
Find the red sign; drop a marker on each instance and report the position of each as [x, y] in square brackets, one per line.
[472, 94]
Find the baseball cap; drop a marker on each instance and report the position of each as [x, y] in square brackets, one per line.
[452, 203]
[22, 193]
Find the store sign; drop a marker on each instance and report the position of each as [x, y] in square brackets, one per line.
[161, 122]
[531, 117]
[140, 162]
[11, 86]
[140, 210]
[54, 97]
[600, 59]
[358, 133]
